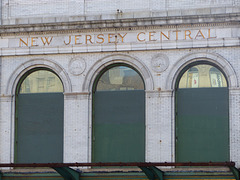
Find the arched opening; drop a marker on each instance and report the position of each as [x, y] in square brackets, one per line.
[39, 118]
[118, 115]
[202, 114]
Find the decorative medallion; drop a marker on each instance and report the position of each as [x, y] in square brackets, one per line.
[159, 63]
[77, 66]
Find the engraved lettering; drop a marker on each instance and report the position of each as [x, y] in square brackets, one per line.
[21, 41]
[151, 35]
[109, 38]
[209, 34]
[69, 41]
[188, 34]
[138, 37]
[46, 40]
[100, 37]
[89, 38]
[33, 41]
[122, 36]
[167, 37]
[177, 31]
[200, 34]
[77, 39]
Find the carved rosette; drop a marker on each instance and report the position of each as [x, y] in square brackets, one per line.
[159, 63]
[77, 66]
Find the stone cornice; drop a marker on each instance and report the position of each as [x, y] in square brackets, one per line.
[121, 24]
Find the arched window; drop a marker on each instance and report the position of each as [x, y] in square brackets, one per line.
[42, 81]
[192, 76]
[118, 115]
[216, 78]
[120, 78]
[39, 118]
[202, 76]
[202, 122]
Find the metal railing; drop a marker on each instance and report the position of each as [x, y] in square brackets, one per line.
[149, 168]
[112, 164]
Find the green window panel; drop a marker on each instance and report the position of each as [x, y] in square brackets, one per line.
[39, 128]
[119, 116]
[202, 114]
[39, 118]
[119, 126]
[202, 129]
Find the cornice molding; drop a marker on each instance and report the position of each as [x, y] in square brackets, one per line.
[122, 24]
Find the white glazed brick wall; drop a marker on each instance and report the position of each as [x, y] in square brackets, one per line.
[159, 146]
[0, 72]
[76, 128]
[21, 8]
[5, 129]
[235, 125]
[44, 8]
[159, 106]
[185, 4]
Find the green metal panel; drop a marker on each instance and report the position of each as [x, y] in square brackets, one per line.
[202, 130]
[119, 126]
[39, 128]
[152, 172]
[32, 176]
[235, 172]
[68, 173]
[120, 175]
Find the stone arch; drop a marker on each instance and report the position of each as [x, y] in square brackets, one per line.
[35, 63]
[216, 59]
[212, 117]
[118, 58]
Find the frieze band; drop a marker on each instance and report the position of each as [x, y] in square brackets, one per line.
[91, 39]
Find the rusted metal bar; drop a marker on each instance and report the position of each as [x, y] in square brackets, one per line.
[100, 164]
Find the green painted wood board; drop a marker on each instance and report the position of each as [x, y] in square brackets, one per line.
[119, 126]
[202, 127]
[39, 137]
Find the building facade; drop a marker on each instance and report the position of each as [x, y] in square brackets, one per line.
[119, 81]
